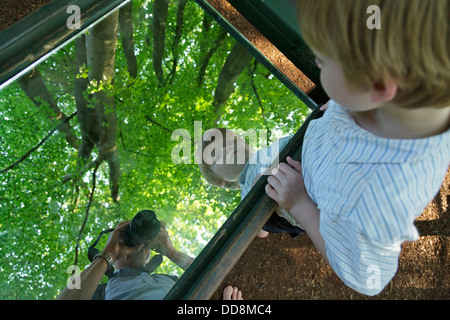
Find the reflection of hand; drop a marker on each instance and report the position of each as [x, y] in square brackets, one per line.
[162, 242]
[115, 246]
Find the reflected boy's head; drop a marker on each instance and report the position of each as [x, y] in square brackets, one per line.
[221, 156]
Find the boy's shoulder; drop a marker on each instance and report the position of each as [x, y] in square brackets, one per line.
[358, 174]
[352, 143]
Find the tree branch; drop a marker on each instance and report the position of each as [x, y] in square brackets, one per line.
[34, 87]
[87, 167]
[176, 39]
[217, 43]
[236, 62]
[131, 151]
[252, 82]
[88, 208]
[158, 124]
[26, 155]
[162, 127]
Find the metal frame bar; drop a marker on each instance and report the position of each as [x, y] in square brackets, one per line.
[36, 37]
[278, 27]
[205, 5]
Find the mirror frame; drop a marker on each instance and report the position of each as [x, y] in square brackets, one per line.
[33, 39]
[36, 37]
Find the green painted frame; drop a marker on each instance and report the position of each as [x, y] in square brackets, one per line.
[28, 42]
[277, 21]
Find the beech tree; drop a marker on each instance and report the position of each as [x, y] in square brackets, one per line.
[85, 138]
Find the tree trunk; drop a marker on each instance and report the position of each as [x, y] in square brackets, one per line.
[101, 49]
[160, 10]
[87, 117]
[126, 29]
[237, 61]
[34, 87]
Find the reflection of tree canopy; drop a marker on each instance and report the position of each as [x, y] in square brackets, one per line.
[86, 138]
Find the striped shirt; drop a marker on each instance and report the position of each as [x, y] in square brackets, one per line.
[369, 191]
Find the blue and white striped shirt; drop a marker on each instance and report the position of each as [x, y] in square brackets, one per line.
[369, 191]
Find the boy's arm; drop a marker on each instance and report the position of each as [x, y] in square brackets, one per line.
[308, 215]
[364, 264]
[286, 187]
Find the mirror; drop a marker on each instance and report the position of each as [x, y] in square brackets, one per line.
[80, 155]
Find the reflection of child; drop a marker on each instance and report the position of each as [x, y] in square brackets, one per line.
[223, 169]
[378, 156]
[219, 165]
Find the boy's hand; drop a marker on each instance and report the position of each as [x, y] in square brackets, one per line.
[286, 185]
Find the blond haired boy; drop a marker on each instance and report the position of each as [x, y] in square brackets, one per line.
[379, 154]
[221, 166]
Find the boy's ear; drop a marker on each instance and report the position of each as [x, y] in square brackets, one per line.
[383, 91]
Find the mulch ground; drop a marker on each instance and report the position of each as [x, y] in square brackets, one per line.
[14, 10]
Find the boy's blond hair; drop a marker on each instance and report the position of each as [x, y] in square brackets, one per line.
[411, 47]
